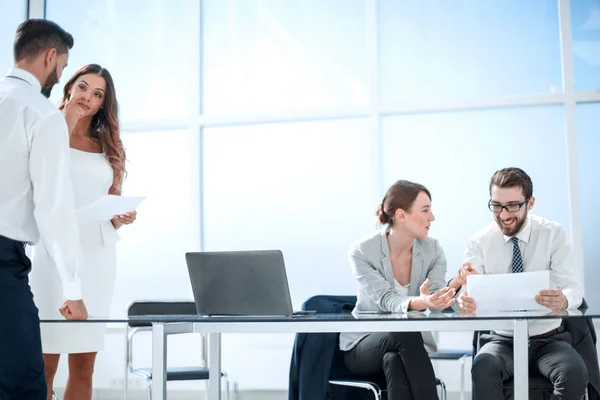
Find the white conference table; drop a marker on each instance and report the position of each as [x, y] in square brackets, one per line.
[412, 322]
[214, 327]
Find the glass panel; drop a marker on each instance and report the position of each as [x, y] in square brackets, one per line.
[433, 50]
[144, 44]
[588, 137]
[585, 25]
[150, 255]
[110, 363]
[303, 188]
[454, 155]
[13, 13]
[271, 55]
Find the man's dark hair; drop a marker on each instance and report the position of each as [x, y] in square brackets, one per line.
[513, 177]
[37, 35]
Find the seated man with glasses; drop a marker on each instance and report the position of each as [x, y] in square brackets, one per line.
[521, 242]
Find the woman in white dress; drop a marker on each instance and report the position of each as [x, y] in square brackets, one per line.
[97, 167]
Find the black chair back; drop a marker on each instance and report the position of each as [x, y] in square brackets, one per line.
[140, 308]
[339, 371]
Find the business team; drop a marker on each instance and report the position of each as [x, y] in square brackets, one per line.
[398, 268]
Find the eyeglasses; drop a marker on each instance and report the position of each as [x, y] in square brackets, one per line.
[511, 208]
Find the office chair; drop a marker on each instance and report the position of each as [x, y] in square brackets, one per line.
[341, 376]
[173, 373]
[454, 355]
[317, 361]
[539, 386]
[375, 389]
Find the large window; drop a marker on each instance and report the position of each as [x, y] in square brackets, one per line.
[303, 188]
[455, 154]
[271, 55]
[151, 255]
[432, 51]
[146, 45]
[589, 183]
[585, 22]
[13, 13]
[262, 124]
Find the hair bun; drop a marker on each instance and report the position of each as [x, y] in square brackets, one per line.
[382, 216]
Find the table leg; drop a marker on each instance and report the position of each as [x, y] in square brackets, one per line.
[214, 366]
[521, 359]
[159, 361]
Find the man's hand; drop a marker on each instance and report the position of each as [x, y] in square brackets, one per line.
[466, 303]
[557, 313]
[74, 309]
[441, 299]
[553, 299]
[463, 272]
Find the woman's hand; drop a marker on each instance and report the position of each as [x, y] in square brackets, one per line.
[74, 309]
[441, 299]
[124, 219]
[73, 111]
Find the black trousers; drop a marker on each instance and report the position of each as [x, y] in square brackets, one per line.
[402, 358]
[553, 357]
[21, 363]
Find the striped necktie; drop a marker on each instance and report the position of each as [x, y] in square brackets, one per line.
[517, 261]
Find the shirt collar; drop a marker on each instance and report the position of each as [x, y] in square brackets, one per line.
[26, 76]
[524, 234]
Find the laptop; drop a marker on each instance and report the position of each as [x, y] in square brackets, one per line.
[240, 283]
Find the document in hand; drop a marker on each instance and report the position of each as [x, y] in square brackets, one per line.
[508, 292]
[107, 207]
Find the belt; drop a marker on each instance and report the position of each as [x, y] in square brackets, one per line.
[546, 335]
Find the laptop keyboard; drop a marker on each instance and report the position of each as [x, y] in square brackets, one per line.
[304, 312]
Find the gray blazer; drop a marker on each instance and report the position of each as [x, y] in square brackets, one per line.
[372, 268]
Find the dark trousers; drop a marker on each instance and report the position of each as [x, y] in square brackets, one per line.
[402, 358]
[21, 363]
[554, 357]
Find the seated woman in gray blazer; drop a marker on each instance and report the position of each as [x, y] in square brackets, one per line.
[399, 269]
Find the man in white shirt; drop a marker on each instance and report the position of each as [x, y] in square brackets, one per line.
[36, 202]
[519, 242]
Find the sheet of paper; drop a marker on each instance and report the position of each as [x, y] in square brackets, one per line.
[107, 207]
[508, 292]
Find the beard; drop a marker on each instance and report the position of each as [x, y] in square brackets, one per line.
[49, 84]
[512, 230]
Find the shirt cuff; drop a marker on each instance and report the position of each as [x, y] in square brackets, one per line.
[405, 303]
[72, 289]
[570, 300]
[109, 233]
[457, 289]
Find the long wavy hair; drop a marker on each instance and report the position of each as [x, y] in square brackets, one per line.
[105, 123]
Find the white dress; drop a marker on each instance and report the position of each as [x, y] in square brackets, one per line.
[92, 178]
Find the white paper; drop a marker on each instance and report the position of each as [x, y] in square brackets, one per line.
[508, 292]
[106, 207]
